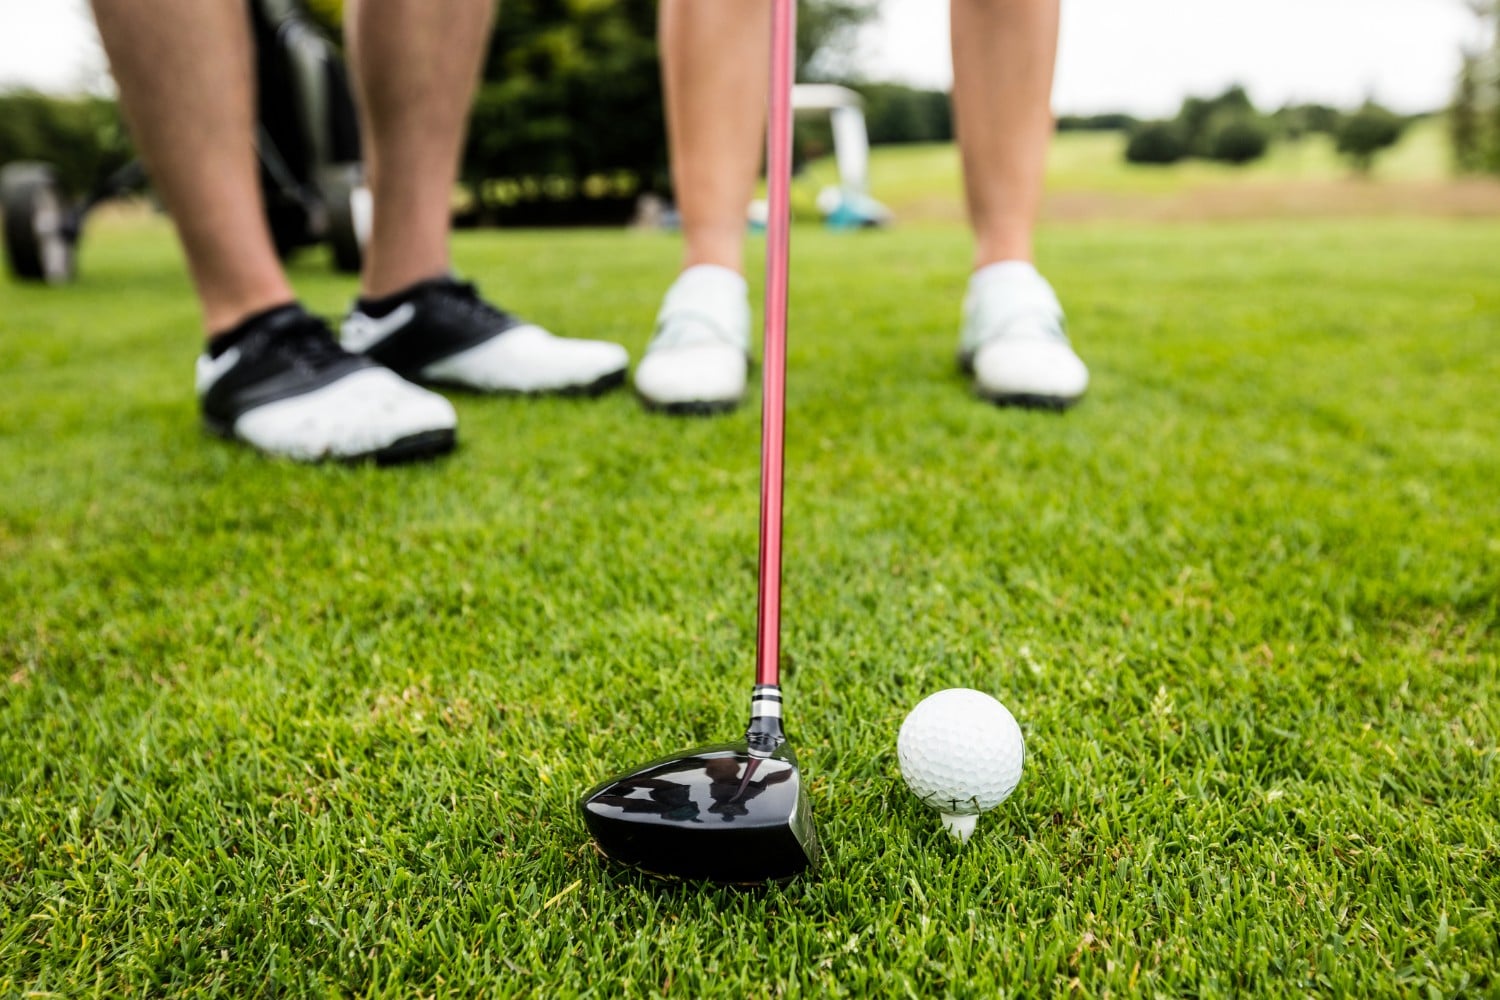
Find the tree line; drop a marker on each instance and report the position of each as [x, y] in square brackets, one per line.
[568, 117]
[1474, 118]
[1228, 128]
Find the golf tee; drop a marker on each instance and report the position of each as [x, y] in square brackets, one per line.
[961, 827]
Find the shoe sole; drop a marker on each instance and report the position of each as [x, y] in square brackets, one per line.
[699, 407]
[1029, 401]
[422, 446]
[598, 387]
[1019, 400]
[691, 408]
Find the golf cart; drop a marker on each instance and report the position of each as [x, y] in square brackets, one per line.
[846, 205]
[307, 142]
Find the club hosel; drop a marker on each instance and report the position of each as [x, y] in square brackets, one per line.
[764, 734]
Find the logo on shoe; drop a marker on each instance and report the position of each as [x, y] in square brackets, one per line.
[210, 370]
[363, 332]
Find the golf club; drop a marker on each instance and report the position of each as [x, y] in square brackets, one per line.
[736, 812]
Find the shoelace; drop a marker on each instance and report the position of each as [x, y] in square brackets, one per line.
[1029, 309]
[466, 296]
[305, 342]
[691, 327]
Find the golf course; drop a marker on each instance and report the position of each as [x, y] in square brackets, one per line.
[268, 728]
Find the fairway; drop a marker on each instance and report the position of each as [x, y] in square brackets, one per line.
[1088, 180]
[267, 728]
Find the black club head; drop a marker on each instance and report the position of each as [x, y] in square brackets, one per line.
[725, 813]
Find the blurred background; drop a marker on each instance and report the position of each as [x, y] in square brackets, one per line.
[1166, 109]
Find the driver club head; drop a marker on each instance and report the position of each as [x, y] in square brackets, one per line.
[725, 813]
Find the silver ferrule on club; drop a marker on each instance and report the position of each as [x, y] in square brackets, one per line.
[764, 734]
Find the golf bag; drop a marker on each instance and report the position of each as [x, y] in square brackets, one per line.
[307, 144]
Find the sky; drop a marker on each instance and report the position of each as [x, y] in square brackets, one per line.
[1144, 56]
[1141, 56]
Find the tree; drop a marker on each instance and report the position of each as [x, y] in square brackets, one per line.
[1156, 143]
[898, 113]
[1198, 114]
[1297, 120]
[1109, 121]
[1492, 160]
[1226, 128]
[82, 137]
[1237, 137]
[567, 125]
[1474, 116]
[825, 29]
[825, 35]
[1465, 131]
[1366, 132]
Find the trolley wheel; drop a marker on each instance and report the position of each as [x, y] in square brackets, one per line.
[40, 241]
[349, 215]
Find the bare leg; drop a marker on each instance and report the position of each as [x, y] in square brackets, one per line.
[716, 72]
[1003, 55]
[188, 90]
[416, 64]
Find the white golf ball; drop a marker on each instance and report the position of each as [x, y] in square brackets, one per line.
[961, 752]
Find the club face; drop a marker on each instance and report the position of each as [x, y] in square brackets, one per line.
[719, 813]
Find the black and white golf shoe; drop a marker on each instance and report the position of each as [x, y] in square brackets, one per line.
[441, 332]
[280, 383]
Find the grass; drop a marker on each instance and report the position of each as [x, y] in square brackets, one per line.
[266, 728]
[1088, 179]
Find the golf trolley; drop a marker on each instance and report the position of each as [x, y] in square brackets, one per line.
[307, 143]
[847, 204]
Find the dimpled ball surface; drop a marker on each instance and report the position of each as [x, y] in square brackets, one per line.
[961, 751]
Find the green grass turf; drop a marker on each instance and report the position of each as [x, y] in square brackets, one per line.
[914, 180]
[266, 727]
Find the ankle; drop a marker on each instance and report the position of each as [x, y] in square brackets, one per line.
[711, 279]
[381, 305]
[224, 337]
[381, 282]
[1000, 248]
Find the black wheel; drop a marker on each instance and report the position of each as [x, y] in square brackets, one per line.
[39, 237]
[348, 202]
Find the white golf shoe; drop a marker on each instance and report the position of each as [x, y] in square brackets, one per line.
[699, 357]
[1014, 342]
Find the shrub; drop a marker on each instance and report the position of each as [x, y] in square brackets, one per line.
[82, 137]
[1297, 120]
[897, 113]
[1155, 143]
[1198, 115]
[1225, 128]
[1238, 138]
[1362, 135]
[1109, 121]
[569, 122]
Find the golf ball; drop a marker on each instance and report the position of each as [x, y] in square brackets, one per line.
[961, 752]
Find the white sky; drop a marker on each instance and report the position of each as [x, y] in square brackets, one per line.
[1141, 56]
[1144, 56]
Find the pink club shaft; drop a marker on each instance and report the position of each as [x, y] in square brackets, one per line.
[773, 414]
